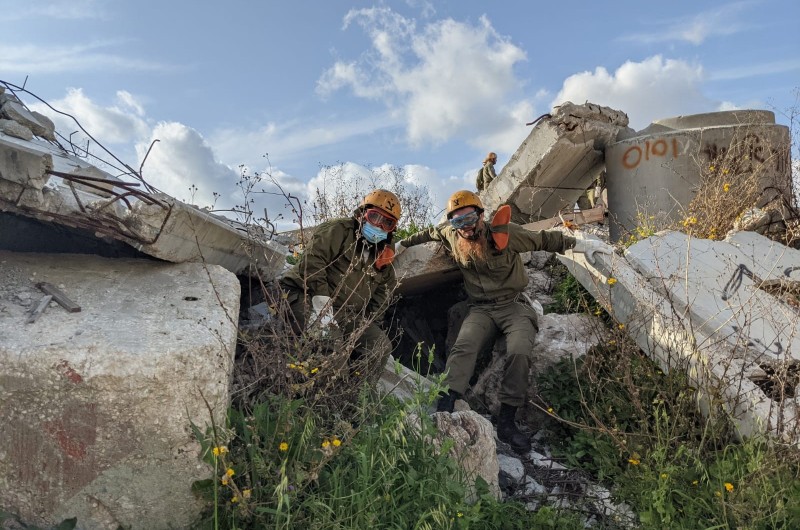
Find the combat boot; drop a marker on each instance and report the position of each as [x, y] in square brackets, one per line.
[508, 432]
[448, 401]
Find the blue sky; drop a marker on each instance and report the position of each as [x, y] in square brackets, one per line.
[427, 86]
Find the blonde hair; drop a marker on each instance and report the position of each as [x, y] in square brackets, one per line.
[491, 156]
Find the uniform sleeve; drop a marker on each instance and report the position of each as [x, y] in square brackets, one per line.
[522, 240]
[326, 244]
[431, 234]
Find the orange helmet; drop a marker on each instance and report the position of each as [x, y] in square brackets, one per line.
[385, 200]
[462, 199]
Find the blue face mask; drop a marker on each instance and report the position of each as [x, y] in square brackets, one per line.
[372, 233]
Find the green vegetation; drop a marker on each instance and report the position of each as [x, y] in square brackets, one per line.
[287, 464]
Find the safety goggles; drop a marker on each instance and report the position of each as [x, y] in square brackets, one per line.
[463, 221]
[377, 218]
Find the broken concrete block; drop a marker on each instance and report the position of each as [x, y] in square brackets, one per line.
[23, 165]
[49, 132]
[153, 223]
[694, 305]
[556, 163]
[15, 111]
[95, 407]
[420, 267]
[474, 446]
[656, 171]
[12, 128]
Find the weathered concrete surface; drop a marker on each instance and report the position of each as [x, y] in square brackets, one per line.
[657, 170]
[692, 306]
[401, 382]
[556, 163]
[95, 406]
[474, 446]
[154, 223]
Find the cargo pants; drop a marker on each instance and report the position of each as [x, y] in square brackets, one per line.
[518, 322]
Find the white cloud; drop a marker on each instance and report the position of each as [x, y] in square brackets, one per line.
[652, 89]
[121, 122]
[88, 57]
[57, 9]
[445, 80]
[181, 161]
[698, 28]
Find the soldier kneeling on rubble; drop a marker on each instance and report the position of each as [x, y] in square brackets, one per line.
[345, 278]
[494, 278]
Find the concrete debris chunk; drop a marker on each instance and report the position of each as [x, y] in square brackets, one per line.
[96, 406]
[12, 128]
[701, 307]
[557, 162]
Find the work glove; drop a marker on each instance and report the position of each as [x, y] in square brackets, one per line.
[590, 246]
[322, 310]
[398, 249]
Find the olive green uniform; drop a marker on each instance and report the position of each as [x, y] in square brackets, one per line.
[493, 287]
[485, 176]
[340, 264]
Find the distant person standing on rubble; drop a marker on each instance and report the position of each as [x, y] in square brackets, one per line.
[345, 278]
[486, 175]
[488, 255]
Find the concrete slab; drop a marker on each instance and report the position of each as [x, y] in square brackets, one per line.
[39, 180]
[656, 171]
[556, 163]
[713, 282]
[676, 300]
[95, 406]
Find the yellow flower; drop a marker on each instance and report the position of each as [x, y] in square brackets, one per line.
[725, 172]
[695, 483]
[292, 366]
[712, 168]
[459, 514]
[726, 187]
[336, 442]
[224, 480]
[633, 461]
[247, 493]
[315, 370]
[325, 444]
[612, 281]
[550, 410]
[230, 472]
[219, 450]
[621, 326]
[234, 499]
[283, 447]
[729, 486]
[612, 342]
[664, 475]
[597, 313]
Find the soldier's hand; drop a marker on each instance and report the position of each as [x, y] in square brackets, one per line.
[590, 246]
[322, 311]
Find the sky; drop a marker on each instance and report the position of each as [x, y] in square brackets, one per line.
[287, 90]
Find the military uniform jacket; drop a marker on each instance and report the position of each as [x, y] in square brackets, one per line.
[339, 264]
[503, 275]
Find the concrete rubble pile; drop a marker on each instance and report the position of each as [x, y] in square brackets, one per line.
[109, 361]
[725, 312]
[41, 180]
